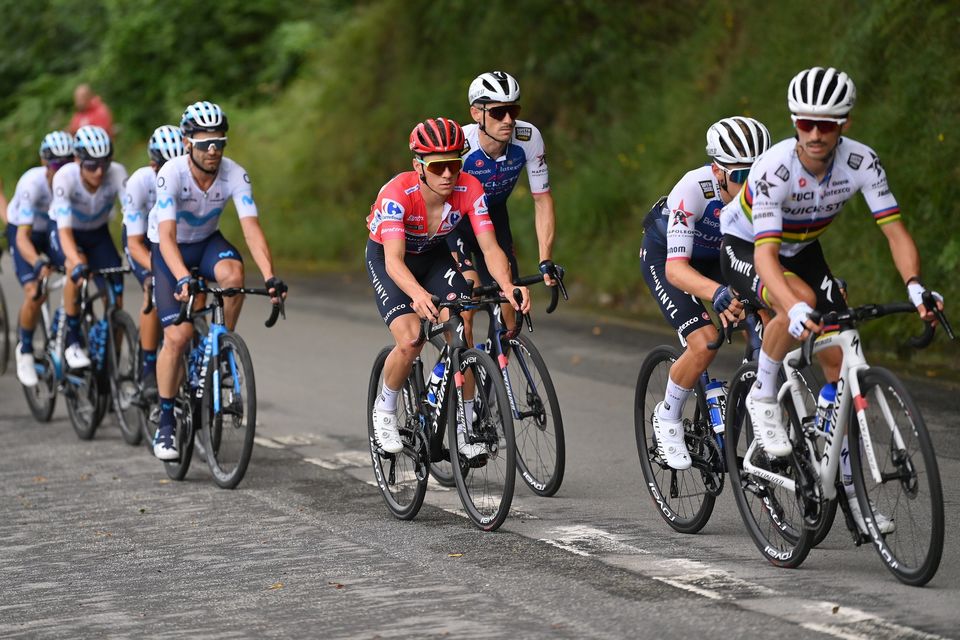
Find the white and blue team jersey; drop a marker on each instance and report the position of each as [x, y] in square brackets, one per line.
[138, 199]
[500, 175]
[31, 201]
[73, 207]
[689, 225]
[197, 212]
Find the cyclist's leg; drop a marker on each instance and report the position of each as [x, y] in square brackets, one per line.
[469, 260]
[30, 309]
[149, 322]
[222, 263]
[102, 253]
[71, 309]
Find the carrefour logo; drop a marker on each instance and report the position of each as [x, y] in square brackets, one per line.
[391, 210]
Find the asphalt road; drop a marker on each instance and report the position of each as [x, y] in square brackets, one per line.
[97, 542]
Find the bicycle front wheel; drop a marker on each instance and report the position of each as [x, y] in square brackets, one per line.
[896, 475]
[184, 410]
[123, 363]
[82, 396]
[772, 513]
[42, 397]
[541, 452]
[401, 477]
[485, 482]
[229, 413]
[684, 499]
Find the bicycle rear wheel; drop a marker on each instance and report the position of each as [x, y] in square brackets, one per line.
[906, 487]
[401, 477]
[185, 413]
[685, 499]
[541, 451]
[485, 483]
[42, 397]
[122, 372]
[4, 334]
[82, 396]
[773, 515]
[230, 427]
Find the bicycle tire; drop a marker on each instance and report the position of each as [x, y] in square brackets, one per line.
[441, 470]
[772, 516]
[122, 372]
[186, 415]
[4, 334]
[686, 505]
[82, 396]
[899, 495]
[485, 487]
[541, 448]
[42, 397]
[228, 435]
[811, 382]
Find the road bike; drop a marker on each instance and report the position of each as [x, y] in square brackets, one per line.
[783, 500]
[485, 483]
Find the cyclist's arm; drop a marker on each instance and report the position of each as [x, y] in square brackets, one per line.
[69, 247]
[394, 251]
[167, 232]
[138, 250]
[686, 278]
[257, 243]
[546, 221]
[905, 257]
[25, 245]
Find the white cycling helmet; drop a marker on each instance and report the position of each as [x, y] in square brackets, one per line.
[92, 142]
[737, 140]
[56, 145]
[203, 116]
[821, 92]
[495, 86]
[166, 143]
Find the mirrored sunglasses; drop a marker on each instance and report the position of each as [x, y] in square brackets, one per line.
[205, 144]
[499, 113]
[825, 125]
[438, 167]
[59, 162]
[736, 175]
[94, 164]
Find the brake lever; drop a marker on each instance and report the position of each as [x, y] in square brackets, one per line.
[518, 297]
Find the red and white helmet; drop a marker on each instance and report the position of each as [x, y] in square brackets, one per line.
[436, 135]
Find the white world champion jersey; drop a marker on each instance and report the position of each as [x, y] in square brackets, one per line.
[139, 197]
[500, 175]
[784, 203]
[75, 207]
[31, 200]
[197, 212]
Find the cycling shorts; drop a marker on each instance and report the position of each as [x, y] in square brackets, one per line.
[463, 243]
[97, 246]
[140, 273]
[41, 242]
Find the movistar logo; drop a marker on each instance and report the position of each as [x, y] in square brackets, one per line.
[246, 199]
[166, 202]
[225, 254]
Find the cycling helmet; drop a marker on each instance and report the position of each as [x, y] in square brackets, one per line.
[166, 143]
[821, 92]
[495, 86]
[56, 145]
[203, 116]
[737, 140]
[436, 135]
[92, 143]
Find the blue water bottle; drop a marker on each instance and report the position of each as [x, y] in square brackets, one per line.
[716, 401]
[825, 402]
[435, 377]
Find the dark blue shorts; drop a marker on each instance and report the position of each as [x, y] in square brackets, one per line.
[41, 242]
[203, 255]
[139, 272]
[97, 246]
[435, 270]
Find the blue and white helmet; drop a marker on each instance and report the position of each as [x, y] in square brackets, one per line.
[166, 143]
[92, 142]
[56, 145]
[203, 116]
[494, 86]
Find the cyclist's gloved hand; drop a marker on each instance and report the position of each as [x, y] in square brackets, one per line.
[549, 270]
[187, 286]
[39, 265]
[799, 314]
[915, 291]
[723, 297]
[79, 272]
[276, 287]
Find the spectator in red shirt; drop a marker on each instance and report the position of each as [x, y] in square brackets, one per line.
[90, 110]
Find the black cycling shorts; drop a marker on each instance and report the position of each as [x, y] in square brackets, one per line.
[463, 242]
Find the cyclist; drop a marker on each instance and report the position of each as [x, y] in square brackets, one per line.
[28, 235]
[408, 259]
[680, 261]
[166, 143]
[83, 196]
[771, 252]
[192, 191]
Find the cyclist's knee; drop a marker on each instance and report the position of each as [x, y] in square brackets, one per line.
[229, 273]
[802, 290]
[177, 337]
[697, 346]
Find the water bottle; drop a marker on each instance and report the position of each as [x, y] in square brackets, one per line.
[194, 362]
[55, 325]
[716, 402]
[828, 395]
[435, 377]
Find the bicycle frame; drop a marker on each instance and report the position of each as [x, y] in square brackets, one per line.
[450, 356]
[211, 356]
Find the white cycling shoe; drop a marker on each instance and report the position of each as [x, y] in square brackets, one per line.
[76, 357]
[385, 430]
[26, 369]
[670, 440]
[469, 450]
[884, 524]
[767, 419]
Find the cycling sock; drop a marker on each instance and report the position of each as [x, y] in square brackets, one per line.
[468, 416]
[73, 330]
[166, 413]
[149, 364]
[26, 340]
[387, 400]
[845, 471]
[673, 400]
[766, 385]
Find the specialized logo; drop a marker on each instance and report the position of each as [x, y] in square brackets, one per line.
[783, 173]
[854, 161]
[523, 133]
[827, 286]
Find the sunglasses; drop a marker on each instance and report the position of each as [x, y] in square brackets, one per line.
[205, 144]
[93, 165]
[57, 164]
[499, 113]
[439, 167]
[825, 125]
[736, 175]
